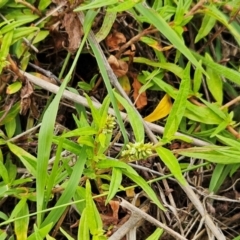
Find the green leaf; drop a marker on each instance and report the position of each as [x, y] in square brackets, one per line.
[215, 108]
[80, 194]
[4, 173]
[208, 23]
[101, 64]
[69, 191]
[134, 119]
[226, 72]
[11, 114]
[4, 51]
[89, 18]
[107, 163]
[144, 185]
[197, 80]
[19, 33]
[218, 177]
[14, 87]
[29, 161]
[214, 83]
[156, 234]
[21, 225]
[45, 141]
[42, 232]
[66, 234]
[10, 127]
[15, 24]
[156, 20]
[3, 2]
[123, 6]
[93, 216]
[106, 27]
[84, 131]
[223, 125]
[172, 163]
[178, 71]
[18, 207]
[201, 114]
[95, 4]
[179, 106]
[116, 180]
[43, 4]
[83, 229]
[216, 154]
[214, 12]
[229, 142]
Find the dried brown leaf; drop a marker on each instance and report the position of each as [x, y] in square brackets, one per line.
[74, 30]
[119, 67]
[139, 98]
[26, 92]
[115, 40]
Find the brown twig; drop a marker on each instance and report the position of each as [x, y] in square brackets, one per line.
[30, 6]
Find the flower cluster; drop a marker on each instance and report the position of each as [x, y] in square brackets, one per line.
[109, 124]
[138, 150]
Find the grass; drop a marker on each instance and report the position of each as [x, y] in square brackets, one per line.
[72, 154]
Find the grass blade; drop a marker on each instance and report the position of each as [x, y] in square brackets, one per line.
[157, 21]
[179, 106]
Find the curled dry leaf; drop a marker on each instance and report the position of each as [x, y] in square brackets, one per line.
[139, 98]
[115, 40]
[115, 208]
[74, 31]
[119, 67]
[26, 93]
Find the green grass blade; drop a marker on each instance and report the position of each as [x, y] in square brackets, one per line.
[156, 20]
[83, 229]
[21, 225]
[116, 180]
[172, 163]
[179, 106]
[144, 185]
[68, 193]
[106, 79]
[46, 137]
[133, 117]
[228, 73]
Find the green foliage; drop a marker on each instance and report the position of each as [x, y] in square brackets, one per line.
[195, 80]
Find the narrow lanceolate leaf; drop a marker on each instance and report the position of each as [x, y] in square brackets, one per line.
[40, 233]
[197, 79]
[162, 110]
[179, 106]
[68, 193]
[116, 180]
[172, 163]
[223, 155]
[5, 45]
[226, 72]
[93, 216]
[134, 119]
[208, 23]
[83, 230]
[46, 137]
[156, 20]
[146, 188]
[108, 21]
[29, 161]
[21, 225]
[156, 234]
[214, 83]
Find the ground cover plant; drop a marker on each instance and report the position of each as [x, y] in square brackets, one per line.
[119, 119]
